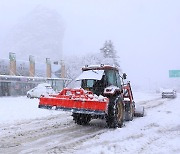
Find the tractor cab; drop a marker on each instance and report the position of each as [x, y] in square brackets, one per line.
[96, 79]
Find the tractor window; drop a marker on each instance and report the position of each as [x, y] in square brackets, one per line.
[111, 77]
[90, 83]
[87, 83]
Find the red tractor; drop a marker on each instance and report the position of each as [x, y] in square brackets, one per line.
[103, 94]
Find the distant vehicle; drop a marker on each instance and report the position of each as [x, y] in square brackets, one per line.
[41, 89]
[168, 93]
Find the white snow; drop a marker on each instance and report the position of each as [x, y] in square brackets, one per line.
[13, 109]
[167, 90]
[91, 74]
[158, 132]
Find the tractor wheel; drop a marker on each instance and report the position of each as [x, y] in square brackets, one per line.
[115, 116]
[129, 111]
[81, 119]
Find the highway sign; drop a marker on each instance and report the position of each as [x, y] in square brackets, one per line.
[174, 73]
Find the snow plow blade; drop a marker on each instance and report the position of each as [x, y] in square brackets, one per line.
[76, 101]
[139, 111]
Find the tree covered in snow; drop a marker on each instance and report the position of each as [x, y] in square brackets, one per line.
[110, 54]
[40, 33]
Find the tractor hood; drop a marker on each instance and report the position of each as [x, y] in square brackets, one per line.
[91, 74]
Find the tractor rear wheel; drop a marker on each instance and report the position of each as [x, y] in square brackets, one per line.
[81, 119]
[115, 116]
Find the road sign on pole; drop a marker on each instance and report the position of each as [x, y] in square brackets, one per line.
[174, 73]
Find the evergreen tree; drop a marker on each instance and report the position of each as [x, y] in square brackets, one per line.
[109, 53]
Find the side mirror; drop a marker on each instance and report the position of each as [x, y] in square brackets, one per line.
[124, 75]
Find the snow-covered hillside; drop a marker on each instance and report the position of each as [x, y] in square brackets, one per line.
[26, 129]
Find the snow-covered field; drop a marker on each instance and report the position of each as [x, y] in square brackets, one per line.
[24, 128]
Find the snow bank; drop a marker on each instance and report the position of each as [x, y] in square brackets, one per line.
[14, 109]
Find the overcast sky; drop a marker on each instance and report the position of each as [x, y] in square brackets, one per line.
[145, 33]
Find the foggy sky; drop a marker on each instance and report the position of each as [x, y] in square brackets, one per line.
[145, 33]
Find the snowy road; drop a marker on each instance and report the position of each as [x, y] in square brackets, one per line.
[157, 132]
[51, 134]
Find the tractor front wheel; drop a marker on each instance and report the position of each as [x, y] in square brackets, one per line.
[129, 111]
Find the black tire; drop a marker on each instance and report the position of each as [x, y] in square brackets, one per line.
[81, 119]
[129, 111]
[115, 116]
